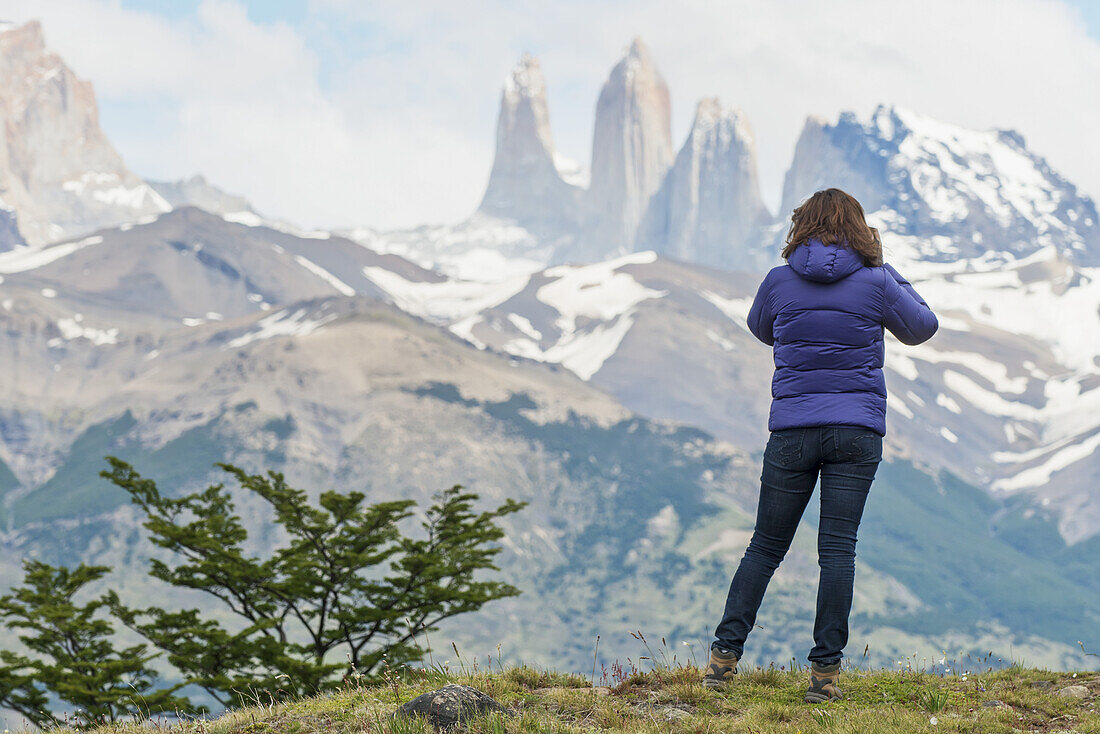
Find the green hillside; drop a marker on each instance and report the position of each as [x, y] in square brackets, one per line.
[983, 573]
[669, 700]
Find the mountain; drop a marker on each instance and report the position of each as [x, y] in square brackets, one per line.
[963, 193]
[162, 269]
[708, 207]
[1005, 396]
[622, 397]
[631, 151]
[59, 175]
[539, 209]
[349, 389]
[525, 184]
[198, 192]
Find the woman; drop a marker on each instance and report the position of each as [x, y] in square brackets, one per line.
[824, 313]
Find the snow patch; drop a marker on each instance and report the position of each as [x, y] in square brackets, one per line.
[899, 405]
[946, 402]
[725, 344]
[72, 328]
[596, 291]
[987, 401]
[736, 309]
[584, 354]
[524, 326]
[25, 258]
[447, 300]
[247, 218]
[281, 323]
[342, 287]
[464, 329]
[901, 364]
[995, 372]
[1038, 476]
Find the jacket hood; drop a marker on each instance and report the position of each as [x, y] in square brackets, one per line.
[824, 263]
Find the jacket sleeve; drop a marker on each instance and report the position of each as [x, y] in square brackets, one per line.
[761, 316]
[906, 314]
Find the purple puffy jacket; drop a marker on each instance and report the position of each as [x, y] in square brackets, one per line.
[824, 312]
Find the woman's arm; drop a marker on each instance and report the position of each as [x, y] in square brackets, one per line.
[761, 317]
[907, 315]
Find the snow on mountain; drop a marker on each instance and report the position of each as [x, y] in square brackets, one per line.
[526, 184]
[1015, 375]
[708, 208]
[482, 248]
[188, 264]
[575, 316]
[1007, 395]
[631, 153]
[59, 174]
[963, 192]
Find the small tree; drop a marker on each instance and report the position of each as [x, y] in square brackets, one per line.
[347, 583]
[74, 657]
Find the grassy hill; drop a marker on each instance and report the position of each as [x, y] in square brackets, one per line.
[1013, 699]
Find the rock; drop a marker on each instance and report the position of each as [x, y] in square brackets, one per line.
[59, 175]
[708, 209]
[525, 184]
[994, 704]
[452, 705]
[1044, 684]
[631, 149]
[1073, 692]
[671, 713]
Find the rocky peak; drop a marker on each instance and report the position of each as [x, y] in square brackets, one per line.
[957, 192]
[525, 184]
[59, 176]
[709, 207]
[197, 191]
[631, 147]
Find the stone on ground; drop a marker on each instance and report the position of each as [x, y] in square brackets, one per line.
[452, 704]
[1074, 692]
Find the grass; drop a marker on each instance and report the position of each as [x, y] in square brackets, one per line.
[673, 700]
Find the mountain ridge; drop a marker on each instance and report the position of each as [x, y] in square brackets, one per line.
[623, 396]
[59, 174]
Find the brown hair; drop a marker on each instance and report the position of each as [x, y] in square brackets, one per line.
[836, 218]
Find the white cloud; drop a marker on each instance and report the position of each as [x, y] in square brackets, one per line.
[243, 104]
[395, 126]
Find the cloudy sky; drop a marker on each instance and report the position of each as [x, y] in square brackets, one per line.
[378, 113]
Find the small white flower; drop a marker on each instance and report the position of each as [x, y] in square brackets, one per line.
[933, 721]
[964, 676]
[1074, 675]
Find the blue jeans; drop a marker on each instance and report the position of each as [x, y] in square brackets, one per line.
[846, 457]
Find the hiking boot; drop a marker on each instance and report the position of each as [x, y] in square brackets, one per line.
[823, 680]
[722, 668]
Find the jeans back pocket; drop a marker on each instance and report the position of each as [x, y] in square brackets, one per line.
[859, 445]
[785, 446]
